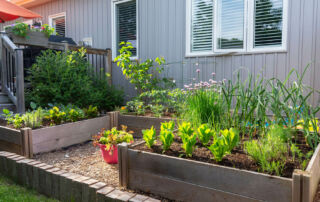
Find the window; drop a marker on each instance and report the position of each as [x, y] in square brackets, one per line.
[58, 22]
[125, 25]
[217, 26]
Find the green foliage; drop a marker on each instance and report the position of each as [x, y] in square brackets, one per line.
[47, 30]
[64, 78]
[141, 74]
[158, 102]
[20, 29]
[231, 138]
[205, 133]
[157, 110]
[219, 148]
[168, 126]
[56, 116]
[203, 106]
[91, 112]
[149, 136]
[34, 118]
[75, 115]
[189, 138]
[113, 137]
[166, 137]
[15, 119]
[269, 152]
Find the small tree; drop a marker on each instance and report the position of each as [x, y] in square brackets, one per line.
[141, 74]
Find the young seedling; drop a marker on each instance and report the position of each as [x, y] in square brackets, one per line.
[205, 134]
[149, 136]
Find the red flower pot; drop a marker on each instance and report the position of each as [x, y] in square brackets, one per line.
[110, 156]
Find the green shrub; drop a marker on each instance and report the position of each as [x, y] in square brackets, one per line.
[65, 78]
[205, 133]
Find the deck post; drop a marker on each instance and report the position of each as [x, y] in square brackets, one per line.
[20, 81]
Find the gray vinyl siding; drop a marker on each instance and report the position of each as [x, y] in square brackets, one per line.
[162, 33]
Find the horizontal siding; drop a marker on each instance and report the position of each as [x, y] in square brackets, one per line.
[162, 33]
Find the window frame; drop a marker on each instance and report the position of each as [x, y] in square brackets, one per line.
[58, 15]
[248, 47]
[114, 4]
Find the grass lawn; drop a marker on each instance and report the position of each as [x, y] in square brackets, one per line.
[9, 191]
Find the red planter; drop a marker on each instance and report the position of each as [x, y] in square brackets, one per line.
[109, 156]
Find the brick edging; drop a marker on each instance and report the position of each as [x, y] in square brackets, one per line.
[60, 184]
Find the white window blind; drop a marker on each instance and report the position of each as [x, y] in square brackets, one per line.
[126, 24]
[268, 23]
[59, 24]
[230, 24]
[201, 25]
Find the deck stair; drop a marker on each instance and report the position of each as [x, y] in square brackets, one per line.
[6, 103]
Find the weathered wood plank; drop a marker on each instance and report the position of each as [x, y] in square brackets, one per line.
[240, 182]
[139, 123]
[296, 186]
[10, 135]
[57, 137]
[179, 190]
[10, 147]
[311, 177]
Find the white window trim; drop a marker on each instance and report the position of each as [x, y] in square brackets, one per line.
[248, 33]
[58, 15]
[114, 30]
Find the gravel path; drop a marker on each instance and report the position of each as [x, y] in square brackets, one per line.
[84, 159]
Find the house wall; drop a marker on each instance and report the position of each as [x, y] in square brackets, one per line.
[162, 33]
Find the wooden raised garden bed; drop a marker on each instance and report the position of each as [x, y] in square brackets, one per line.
[189, 180]
[139, 123]
[28, 142]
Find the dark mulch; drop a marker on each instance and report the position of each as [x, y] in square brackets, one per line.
[237, 159]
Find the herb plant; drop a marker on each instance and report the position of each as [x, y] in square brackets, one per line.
[231, 138]
[168, 126]
[149, 136]
[47, 30]
[21, 29]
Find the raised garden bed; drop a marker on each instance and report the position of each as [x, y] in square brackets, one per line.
[139, 123]
[28, 142]
[148, 172]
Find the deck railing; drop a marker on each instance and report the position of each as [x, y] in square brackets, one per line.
[12, 73]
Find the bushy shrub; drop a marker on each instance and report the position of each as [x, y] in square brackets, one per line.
[64, 78]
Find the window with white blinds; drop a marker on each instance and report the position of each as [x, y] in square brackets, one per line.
[202, 25]
[126, 24]
[268, 23]
[58, 22]
[230, 24]
[215, 26]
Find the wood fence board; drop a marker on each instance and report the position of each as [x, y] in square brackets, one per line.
[240, 182]
[10, 147]
[312, 177]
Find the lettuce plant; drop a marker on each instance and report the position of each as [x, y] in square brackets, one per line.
[231, 138]
[219, 148]
[188, 137]
[168, 126]
[205, 133]
[166, 137]
[149, 136]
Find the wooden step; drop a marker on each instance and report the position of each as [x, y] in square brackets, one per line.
[4, 99]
